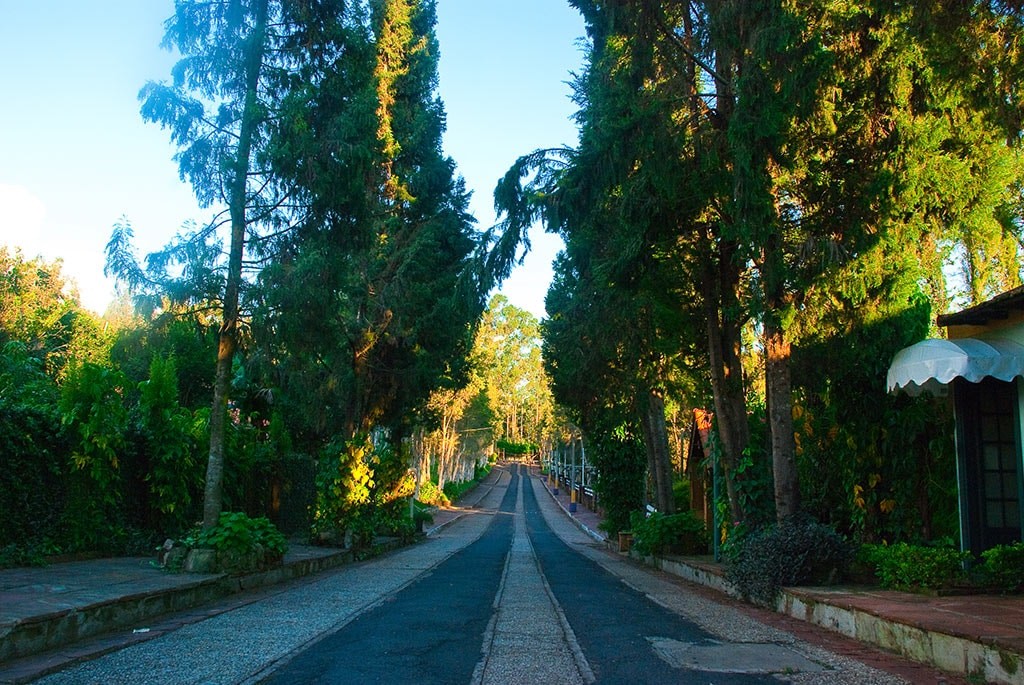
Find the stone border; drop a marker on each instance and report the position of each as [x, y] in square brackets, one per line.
[62, 628]
[951, 653]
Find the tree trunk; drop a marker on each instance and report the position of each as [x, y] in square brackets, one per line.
[213, 493]
[726, 371]
[658, 457]
[778, 388]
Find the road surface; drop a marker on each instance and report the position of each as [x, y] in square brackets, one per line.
[512, 593]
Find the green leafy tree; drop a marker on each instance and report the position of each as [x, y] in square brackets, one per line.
[40, 309]
[239, 60]
[365, 310]
[507, 353]
[169, 445]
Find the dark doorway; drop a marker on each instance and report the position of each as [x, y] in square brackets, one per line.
[989, 455]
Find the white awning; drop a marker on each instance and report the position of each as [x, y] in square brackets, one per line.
[932, 364]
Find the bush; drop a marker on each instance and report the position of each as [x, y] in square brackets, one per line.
[680, 533]
[915, 567]
[798, 552]
[243, 543]
[516, 448]
[344, 487]
[1004, 566]
[454, 490]
[32, 483]
[28, 554]
[432, 495]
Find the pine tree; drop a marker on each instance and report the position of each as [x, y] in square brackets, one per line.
[239, 60]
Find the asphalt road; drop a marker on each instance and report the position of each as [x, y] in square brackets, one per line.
[513, 593]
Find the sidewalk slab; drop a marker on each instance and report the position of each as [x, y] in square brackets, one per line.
[55, 606]
[974, 636]
[67, 612]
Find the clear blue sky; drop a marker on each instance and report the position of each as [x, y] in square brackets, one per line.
[75, 155]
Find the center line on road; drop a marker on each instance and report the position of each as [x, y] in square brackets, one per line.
[528, 639]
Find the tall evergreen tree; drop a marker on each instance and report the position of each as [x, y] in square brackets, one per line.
[239, 60]
[363, 314]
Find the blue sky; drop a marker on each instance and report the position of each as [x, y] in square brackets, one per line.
[75, 155]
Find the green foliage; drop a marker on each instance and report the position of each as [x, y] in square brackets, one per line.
[343, 487]
[874, 465]
[621, 466]
[170, 445]
[39, 310]
[422, 514]
[1004, 566]
[753, 471]
[237, 533]
[32, 553]
[32, 449]
[681, 494]
[96, 420]
[32, 483]
[516, 448]
[903, 566]
[681, 533]
[507, 355]
[454, 490]
[433, 495]
[798, 552]
[243, 543]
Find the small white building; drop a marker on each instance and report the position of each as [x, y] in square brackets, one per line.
[981, 362]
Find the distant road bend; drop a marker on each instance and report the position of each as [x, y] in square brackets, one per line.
[513, 592]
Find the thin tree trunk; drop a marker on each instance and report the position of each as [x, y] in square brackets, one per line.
[726, 374]
[228, 338]
[657, 435]
[778, 388]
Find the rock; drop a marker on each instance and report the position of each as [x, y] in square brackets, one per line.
[201, 561]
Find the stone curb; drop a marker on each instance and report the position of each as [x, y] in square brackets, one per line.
[60, 629]
[597, 535]
[955, 654]
[952, 653]
[38, 634]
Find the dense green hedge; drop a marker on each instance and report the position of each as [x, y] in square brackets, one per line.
[798, 552]
[32, 487]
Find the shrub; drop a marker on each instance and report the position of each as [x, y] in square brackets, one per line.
[798, 552]
[344, 487]
[174, 476]
[903, 566]
[432, 495]
[681, 533]
[95, 422]
[1004, 566]
[517, 448]
[243, 543]
[29, 554]
[454, 490]
[32, 486]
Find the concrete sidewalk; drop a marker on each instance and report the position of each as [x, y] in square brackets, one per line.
[56, 615]
[53, 616]
[968, 635]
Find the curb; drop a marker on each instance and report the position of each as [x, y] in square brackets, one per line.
[69, 630]
[597, 535]
[87, 632]
[954, 654]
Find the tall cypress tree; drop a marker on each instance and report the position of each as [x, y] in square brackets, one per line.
[364, 312]
[239, 61]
